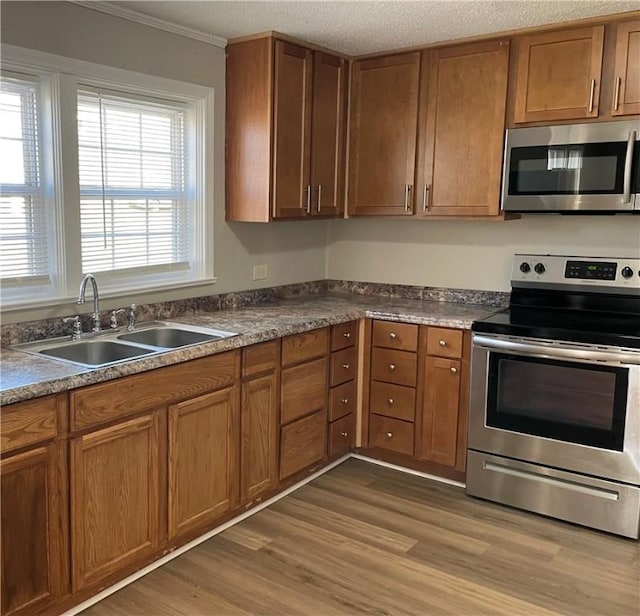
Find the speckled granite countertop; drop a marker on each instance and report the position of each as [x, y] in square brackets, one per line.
[25, 376]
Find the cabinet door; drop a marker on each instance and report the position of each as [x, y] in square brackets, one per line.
[114, 499]
[203, 460]
[259, 441]
[384, 112]
[464, 90]
[439, 435]
[291, 131]
[327, 134]
[626, 94]
[558, 75]
[35, 545]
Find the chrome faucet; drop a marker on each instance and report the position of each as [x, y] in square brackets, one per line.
[96, 299]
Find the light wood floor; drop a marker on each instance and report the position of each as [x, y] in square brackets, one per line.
[363, 539]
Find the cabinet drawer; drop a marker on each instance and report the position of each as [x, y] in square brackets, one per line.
[305, 346]
[30, 422]
[302, 443]
[343, 365]
[391, 434]
[342, 400]
[304, 389]
[344, 335]
[397, 367]
[392, 401]
[99, 403]
[401, 336]
[261, 357]
[341, 434]
[444, 342]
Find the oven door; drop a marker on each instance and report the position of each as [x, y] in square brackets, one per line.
[574, 168]
[569, 406]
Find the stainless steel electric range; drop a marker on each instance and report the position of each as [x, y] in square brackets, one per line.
[554, 415]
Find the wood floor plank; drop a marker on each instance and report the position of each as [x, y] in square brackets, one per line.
[364, 539]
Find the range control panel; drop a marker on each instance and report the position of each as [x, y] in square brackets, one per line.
[553, 271]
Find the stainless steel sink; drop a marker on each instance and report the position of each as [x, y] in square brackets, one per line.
[95, 353]
[171, 337]
[111, 347]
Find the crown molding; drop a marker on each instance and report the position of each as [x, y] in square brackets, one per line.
[153, 22]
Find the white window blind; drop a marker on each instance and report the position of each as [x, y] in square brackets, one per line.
[135, 209]
[23, 220]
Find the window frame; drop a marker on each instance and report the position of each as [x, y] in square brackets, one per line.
[60, 79]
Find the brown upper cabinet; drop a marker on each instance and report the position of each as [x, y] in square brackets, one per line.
[463, 94]
[384, 112]
[285, 131]
[558, 75]
[626, 94]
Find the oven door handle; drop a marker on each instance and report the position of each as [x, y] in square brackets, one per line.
[613, 356]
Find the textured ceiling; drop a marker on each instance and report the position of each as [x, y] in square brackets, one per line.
[358, 27]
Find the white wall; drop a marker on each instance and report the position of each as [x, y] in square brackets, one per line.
[294, 252]
[466, 254]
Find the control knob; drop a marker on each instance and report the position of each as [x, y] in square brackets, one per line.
[540, 268]
[525, 268]
[626, 272]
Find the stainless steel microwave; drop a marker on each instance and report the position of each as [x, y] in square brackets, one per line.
[576, 168]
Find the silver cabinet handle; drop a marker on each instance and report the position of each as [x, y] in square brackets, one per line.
[347, 335]
[345, 400]
[392, 367]
[393, 335]
[626, 183]
[442, 343]
[319, 196]
[390, 401]
[345, 366]
[345, 434]
[453, 370]
[407, 190]
[591, 93]
[425, 197]
[616, 96]
[389, 434]
[309, 199]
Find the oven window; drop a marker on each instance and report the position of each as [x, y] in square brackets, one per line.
[572, 169]
[568, 401]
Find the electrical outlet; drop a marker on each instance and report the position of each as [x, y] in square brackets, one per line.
[260, 272]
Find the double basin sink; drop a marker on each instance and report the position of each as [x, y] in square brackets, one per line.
[105, 349]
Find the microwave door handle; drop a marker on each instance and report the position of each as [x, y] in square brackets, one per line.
[626, 196]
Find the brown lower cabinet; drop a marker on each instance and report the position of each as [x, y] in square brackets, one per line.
[100, 481]
[34, 505]
[203, 460]
[417, 406]
[115, 498]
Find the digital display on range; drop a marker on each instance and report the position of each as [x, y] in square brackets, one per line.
[590, 271]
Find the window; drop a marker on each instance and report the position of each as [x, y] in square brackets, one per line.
[134, 209]
[23, 231]
[102, 171]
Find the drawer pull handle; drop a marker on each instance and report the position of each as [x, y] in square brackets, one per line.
[345, 366]
[345, 400]
[347, 335]
[393, 335]
[389, 434]
[443, 343]
[453, 370]
[390, 401]
[344, 434]
[392, 367]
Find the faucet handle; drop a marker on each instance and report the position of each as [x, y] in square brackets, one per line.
[131, 314]
[76, 330]
[113, 322]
